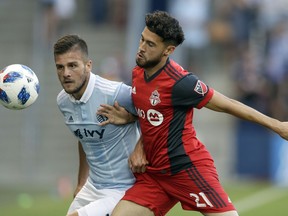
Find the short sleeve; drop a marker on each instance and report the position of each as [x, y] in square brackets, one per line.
[190, 91]
[124, 98]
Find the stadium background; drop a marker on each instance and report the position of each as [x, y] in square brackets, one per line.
[38, 155]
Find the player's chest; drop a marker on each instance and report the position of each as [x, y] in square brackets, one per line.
[155, 93]
[88, 131]
[152, 102]
[83, 122]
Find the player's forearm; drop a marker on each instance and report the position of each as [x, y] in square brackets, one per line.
[221, 103]
[250, 114]
[83, 171]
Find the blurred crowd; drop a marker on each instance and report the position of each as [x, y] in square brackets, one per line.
[57, 18]
[258, 45]
[251, 35]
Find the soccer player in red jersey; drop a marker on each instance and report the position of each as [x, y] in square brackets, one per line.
[180, 168]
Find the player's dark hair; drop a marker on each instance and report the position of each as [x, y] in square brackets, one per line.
[68, 42]
[165, 26]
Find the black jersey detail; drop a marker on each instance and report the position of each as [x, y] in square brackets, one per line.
[173, 72]
[179, 160]
[204, 186]
[183, 93]
[148, 79]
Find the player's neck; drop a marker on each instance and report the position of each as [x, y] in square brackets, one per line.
[151, 71]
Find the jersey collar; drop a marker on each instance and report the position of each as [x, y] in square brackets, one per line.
[157, 73]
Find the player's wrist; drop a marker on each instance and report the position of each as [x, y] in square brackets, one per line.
[131, 118]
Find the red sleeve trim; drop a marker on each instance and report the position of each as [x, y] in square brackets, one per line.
[207, 98]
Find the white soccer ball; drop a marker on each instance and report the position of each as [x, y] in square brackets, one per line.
[19, 87]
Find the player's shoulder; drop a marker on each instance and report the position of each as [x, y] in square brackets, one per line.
[106, 85]
[174, 70]
[62, 96]
[174, 66]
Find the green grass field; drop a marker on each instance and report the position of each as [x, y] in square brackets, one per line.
[251, 199]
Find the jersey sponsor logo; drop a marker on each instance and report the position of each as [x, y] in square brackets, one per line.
[201, 88]
[155, 98]
[89, 133]
[154, 117]
[141, 113]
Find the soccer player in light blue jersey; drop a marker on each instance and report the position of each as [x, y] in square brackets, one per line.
[104, 174]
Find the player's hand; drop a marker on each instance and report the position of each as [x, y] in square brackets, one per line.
[115, 114]
[137, 160]
[137, 163]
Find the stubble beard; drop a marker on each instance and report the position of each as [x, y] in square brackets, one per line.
[147, 64]
[77, 89]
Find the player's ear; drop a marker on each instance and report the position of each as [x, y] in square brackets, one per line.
[89, 65]
[169, 50]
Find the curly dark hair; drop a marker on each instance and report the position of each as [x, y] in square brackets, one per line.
[165, 26]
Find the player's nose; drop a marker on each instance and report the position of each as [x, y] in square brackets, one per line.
[66, 72]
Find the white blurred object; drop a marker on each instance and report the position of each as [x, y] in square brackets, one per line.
[193, 16]
[65, 9]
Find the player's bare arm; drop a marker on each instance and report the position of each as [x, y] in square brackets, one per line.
[83, 169]
[221, 103]
[115, 114]
[137, 160]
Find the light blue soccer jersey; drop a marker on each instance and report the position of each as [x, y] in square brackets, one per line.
[107, 147]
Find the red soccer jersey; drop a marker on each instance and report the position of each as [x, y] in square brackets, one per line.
[165, 103]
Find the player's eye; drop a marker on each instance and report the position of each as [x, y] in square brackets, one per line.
[59, 67]
[150, 44]
[73, 66]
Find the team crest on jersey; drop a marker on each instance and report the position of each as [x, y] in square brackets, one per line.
[155, 98]
[201, 88]
[101, 118]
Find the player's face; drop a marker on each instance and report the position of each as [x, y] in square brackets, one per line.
[73, 72]
[152, 52]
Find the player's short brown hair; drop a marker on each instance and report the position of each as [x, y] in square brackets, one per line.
[68, 42]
